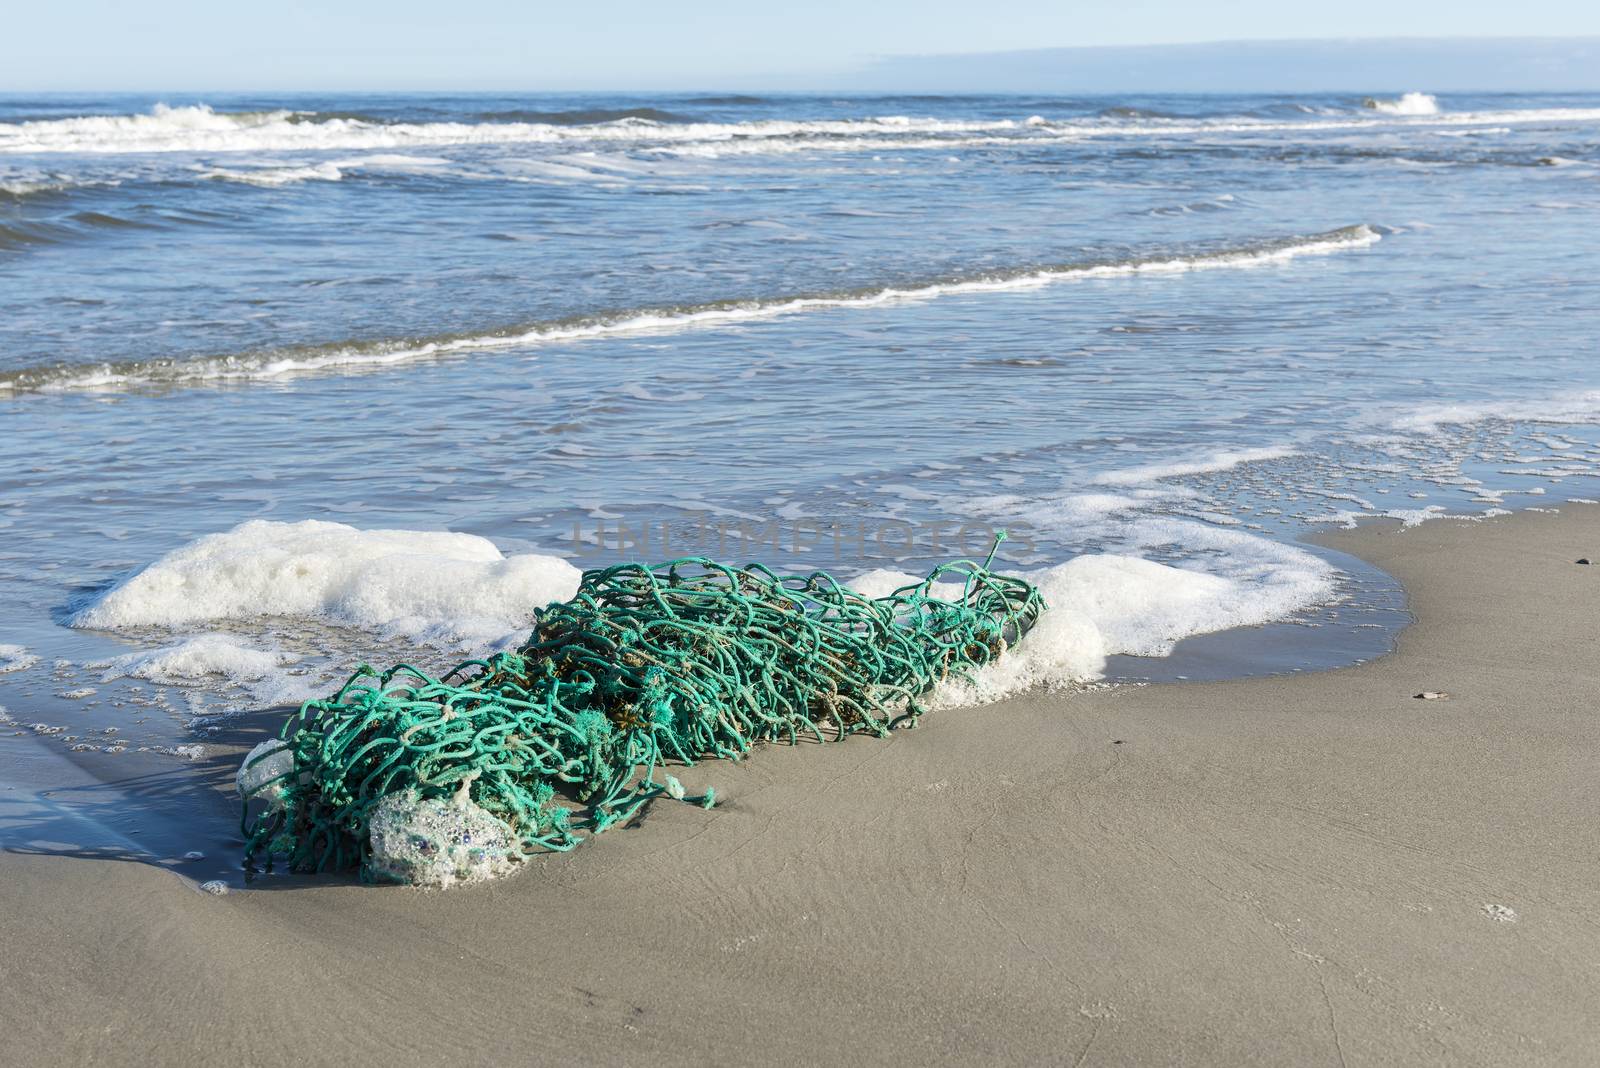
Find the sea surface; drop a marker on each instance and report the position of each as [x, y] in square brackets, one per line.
[290, 382]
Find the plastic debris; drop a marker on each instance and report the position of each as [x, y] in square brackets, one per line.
[441, 780]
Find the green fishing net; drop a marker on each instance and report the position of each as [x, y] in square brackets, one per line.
[401, 774]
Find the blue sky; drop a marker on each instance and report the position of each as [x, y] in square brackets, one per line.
[630, 44]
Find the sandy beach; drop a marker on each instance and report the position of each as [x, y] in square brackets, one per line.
[1315, 869]
[1173, 465]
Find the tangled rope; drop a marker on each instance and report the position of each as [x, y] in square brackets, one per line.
[643, 666]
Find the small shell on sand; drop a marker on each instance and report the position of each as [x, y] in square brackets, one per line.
[1432, 695]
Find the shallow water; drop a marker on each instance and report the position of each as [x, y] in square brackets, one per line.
[850, 333]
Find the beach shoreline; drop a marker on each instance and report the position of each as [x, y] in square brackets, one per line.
[1307, 869]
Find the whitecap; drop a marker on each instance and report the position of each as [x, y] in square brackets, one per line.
[1412, 103]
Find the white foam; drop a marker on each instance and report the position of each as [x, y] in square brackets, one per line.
[15, 658]
[1155, 129]
[276, 176]
[209, 659]
[881, 582]
[1561, 408]
[33, 184]
[273, 174]
[439, 843]
[1080, 509]
[1380, 121]
[444, 588]
[1109, 604]
[1408, 517]
[1408, 104]
[205, 656]
[1157, 579]
[1216, 461]
[1141, 607]
[20, 187]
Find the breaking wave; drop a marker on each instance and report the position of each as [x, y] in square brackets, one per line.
[1408, 104]
[584, 116]
[167, 373]
[199, 128]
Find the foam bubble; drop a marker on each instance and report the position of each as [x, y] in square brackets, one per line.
[15, 658]
[195, 659]
[443, 588]
[439, 843]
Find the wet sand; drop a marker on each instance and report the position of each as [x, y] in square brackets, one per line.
[1314, 869]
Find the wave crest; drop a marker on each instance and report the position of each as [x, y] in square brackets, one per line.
[353, 355]
[1409, 104]
[200, 129]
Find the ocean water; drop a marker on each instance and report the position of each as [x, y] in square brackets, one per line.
[287, 383]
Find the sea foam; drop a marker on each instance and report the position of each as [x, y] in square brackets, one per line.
[1217, 461]
[459, 591]
[1109, 604]
[205, 660]
[1566, 407]
[15, 658]
[443, 588]
[201, 657]
[1135, 595]
[440, 842]
[276, 176]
